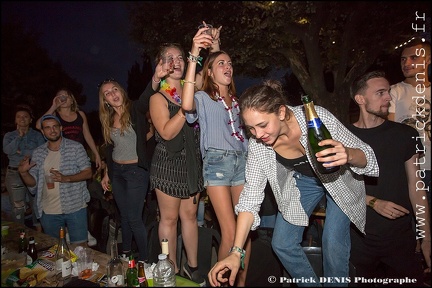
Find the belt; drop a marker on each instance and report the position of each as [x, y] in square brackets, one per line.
[13, 168]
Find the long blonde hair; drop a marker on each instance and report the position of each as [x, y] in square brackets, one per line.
[106, 112]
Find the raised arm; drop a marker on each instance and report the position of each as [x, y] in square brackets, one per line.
[215, 47]
[55, 104]
[199, 41]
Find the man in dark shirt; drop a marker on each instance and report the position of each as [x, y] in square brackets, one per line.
[391, 198]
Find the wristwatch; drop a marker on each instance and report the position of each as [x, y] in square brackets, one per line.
[372, 202]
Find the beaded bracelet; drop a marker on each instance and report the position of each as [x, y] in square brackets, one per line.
[192, 82]
[194, 58]
[155, 81]
[242, 254]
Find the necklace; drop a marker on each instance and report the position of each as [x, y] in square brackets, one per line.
[171, 91]
[235, 134]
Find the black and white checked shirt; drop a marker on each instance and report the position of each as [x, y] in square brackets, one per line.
[345, 186]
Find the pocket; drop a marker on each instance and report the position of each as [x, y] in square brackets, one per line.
[215, 158]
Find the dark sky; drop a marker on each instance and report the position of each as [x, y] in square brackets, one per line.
[89, 39]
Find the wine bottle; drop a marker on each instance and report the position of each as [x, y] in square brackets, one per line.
[63, 257]
[115, 270]
[31, 251]
[317, 132]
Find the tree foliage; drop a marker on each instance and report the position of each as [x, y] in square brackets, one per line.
[326, 44]
[28, 75]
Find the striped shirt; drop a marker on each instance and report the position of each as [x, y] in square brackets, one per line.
[215, 130]
[345, 186]
[73, 159]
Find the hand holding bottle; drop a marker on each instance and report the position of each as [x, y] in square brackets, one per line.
[335, 155]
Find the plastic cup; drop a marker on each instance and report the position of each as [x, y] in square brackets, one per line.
[5, 230]
[168, 63]
[208, 31]
[85, 263]
[49, 181]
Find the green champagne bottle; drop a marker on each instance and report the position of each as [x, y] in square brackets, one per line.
[317, 132]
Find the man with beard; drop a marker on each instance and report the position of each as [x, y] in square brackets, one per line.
[391, 198]
[66, 162]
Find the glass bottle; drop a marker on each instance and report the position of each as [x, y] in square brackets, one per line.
[63, 257]
[132, 272]
[115, 270]
[164, 273]
[142, 279]
[165, 249]
[31, 251]
[317, 132]
[22, 242]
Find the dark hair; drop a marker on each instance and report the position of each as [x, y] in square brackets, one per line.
[267, 97]
[26, 108]
[359, 85]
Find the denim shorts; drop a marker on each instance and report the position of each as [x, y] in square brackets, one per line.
[224, 167]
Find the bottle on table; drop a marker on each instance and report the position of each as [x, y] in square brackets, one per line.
[31, 251]
[115, 270]
[63, 257]
[22, 242]
[164, 273]
[165, 249]
[131, 272]
[317, 132]
[142, 279]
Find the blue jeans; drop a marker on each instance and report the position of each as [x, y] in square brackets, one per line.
[336, 244]
[130, 186]
[75, 222]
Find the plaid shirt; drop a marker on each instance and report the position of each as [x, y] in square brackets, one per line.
[345, 186]
[74, 159]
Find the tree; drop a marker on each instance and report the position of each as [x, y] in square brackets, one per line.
[316, 40]
[28, 75]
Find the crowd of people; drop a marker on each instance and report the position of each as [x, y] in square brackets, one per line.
[209, 139]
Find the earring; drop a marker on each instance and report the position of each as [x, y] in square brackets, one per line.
[107, 104]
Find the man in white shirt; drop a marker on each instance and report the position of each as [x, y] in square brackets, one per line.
[411, 102]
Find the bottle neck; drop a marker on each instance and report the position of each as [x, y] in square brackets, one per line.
[114, 250]
[310, 111]
[164, 245]
[132, 263]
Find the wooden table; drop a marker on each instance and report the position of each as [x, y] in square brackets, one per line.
[43, 243]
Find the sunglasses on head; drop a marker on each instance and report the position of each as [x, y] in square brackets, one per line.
[106, 81]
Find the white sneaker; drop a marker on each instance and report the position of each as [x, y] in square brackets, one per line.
[91, 241]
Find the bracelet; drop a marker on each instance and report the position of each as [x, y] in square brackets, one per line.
[193, 58]
[182, 116]
[192, 82]
[155, 81]
[242, 254]
[372, 202]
